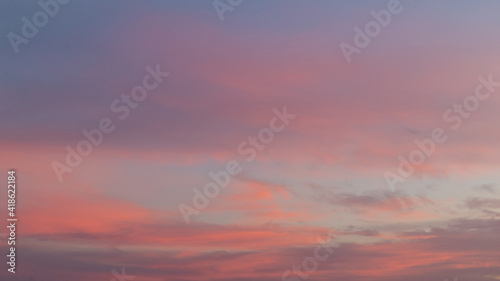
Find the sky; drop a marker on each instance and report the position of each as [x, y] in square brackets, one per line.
[251, 140]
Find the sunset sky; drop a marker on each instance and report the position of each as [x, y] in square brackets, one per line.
[230, 74]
